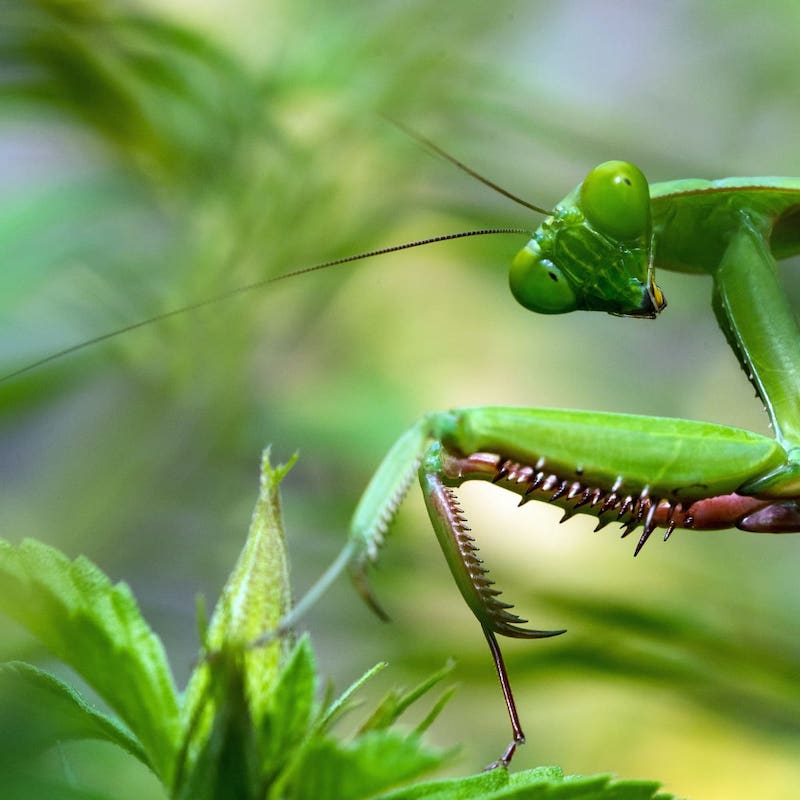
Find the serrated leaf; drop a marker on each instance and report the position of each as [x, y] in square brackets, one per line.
[542, 783]
[41, 710]
[96, 628]
[482, 785]
[528, 786]
[372, 763]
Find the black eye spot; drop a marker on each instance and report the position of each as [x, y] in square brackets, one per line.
[553, 276]
[627, 181]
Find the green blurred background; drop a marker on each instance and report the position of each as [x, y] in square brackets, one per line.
[150, 158]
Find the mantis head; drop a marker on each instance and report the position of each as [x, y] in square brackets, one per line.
[593, 253]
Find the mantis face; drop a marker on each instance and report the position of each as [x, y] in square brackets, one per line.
[594, 252]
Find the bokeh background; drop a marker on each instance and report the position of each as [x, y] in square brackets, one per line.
[153, 154]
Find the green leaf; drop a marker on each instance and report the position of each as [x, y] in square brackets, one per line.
[227, 763]
[483, 785]
[345, 702]
[529, 785]
[373, 763]
[288, 719]
[23, 784]
[320, 766]
[41, 710]
[96, 628]
[446, 696]
[542, 783]
[397, 701]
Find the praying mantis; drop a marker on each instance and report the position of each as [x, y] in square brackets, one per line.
[599, 250]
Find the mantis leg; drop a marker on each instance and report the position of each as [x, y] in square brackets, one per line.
[584, 462]
[450, 526]
[646, 472]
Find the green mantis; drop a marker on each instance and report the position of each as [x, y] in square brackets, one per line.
[599, 250]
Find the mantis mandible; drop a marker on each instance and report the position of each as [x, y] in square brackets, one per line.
[598, 250]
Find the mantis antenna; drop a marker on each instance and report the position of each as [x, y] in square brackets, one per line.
[434, 148]
[230, 293]
[222, 296]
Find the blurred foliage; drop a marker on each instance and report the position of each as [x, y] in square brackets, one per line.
[249, 724]
[153, 157]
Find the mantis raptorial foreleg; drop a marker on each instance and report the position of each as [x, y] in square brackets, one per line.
[583, 462]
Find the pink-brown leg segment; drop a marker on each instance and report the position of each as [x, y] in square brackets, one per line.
[443, 470]
[609, 504]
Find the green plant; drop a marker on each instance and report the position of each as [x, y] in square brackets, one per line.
[250, 724]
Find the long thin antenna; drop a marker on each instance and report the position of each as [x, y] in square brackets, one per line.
[427, 143]
[250, 287]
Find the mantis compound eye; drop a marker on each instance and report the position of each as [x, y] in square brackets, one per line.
[538, 284]
[615, 199]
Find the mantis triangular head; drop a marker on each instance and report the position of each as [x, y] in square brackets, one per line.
[594, 252]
